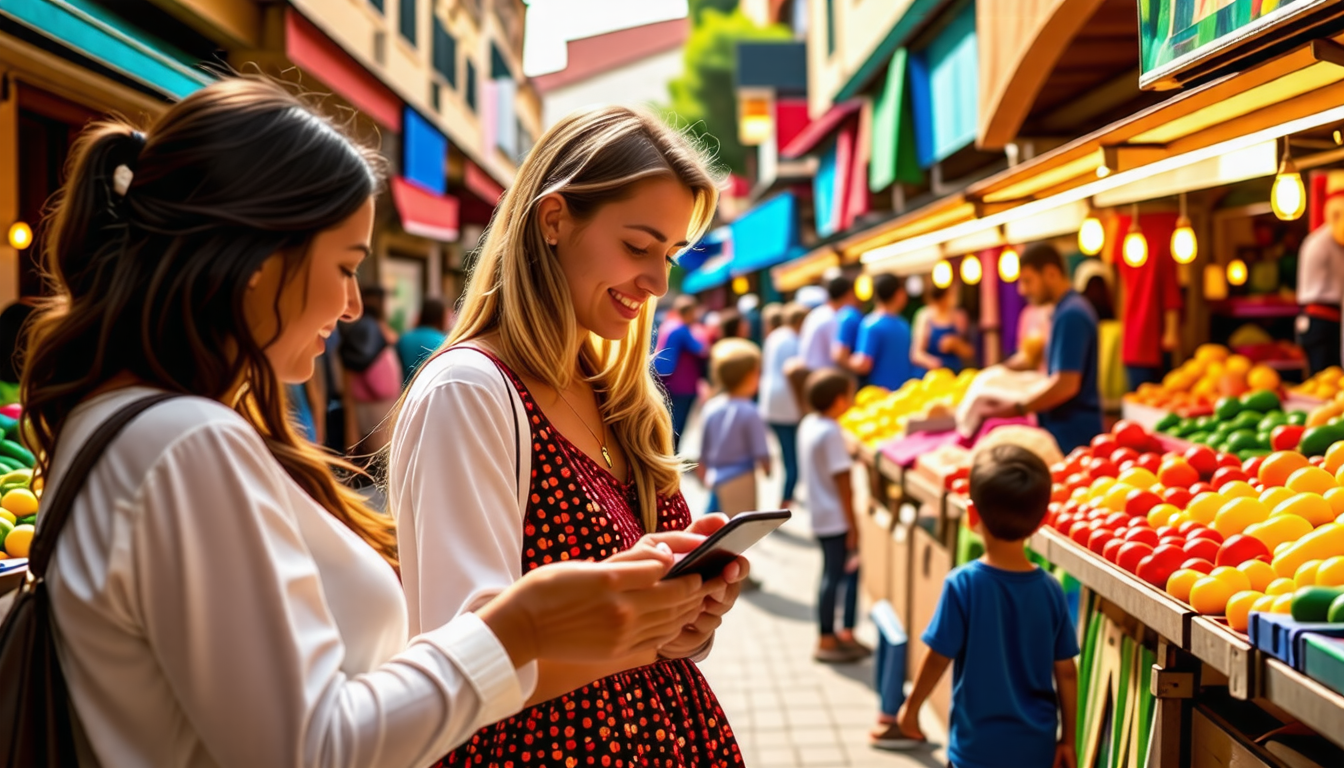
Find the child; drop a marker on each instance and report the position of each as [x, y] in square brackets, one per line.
[823, 466]
[732, 440]
[1005, 623]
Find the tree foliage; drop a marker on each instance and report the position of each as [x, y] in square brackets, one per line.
[703, 97]
[697, 8]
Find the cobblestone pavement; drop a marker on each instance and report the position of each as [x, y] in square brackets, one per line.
[786, 709]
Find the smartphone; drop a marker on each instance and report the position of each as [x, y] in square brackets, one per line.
[716, 552]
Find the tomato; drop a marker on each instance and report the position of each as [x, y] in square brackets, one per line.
[1130, 435]
[1198, 564]
[1206, 549]
[1104, 445]
[1239, 548]
[1226, 475]
[1098, 539]
[1203, 459]
[1229, 460]
[1286, 437]
[1121, 455]
[1140, 501]
[1112, 549]
[1080, 528]
[1206, 533]
[1176, 472]
[1252, 466]
[1177, 497]
[1170, 555]
[1150, 461]
[1146, 535]
[1131, 553]
[1199, 488]
[1155, 570]
[1102, 468]
[1116, 519]
[1062, 521]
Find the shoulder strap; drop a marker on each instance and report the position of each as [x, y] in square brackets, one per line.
[55, 513]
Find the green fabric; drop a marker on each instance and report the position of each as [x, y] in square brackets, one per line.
[102, 35]
[1118, 731]
[1147, 708]
[893, 153]
[1090, 674]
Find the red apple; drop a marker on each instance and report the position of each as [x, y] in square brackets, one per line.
[1202, 548]
[1226, 475]
[1098, 539]
[1131, 553]
[1202, 459]
[1199, 488]
[1170, 555]
[1112, 549]
[1140, 501]
[1151, 462]
[1121, 455]
[1239, 548]
[1198, 564]
[1206, 533]
[1130, 435]
[1103, 445]
[1155, 570]
[1177, 497]
[1146, 535]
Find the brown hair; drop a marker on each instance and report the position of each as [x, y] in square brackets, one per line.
[731, 361]
[152, 282]
[826, 386]
[1011, 490]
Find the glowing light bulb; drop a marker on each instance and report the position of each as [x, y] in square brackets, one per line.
[1236, 272]
[741, 285]
[1183, 244]
[1103, 171]
[971, 270]
[1091, 236]
[942, 274]
[863, 287]
[1010, 266]
[20, 235]
[1135, 248]
[1215, 283]
[1288, 198]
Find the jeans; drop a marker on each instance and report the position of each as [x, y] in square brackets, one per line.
[1320, 341]
[833, 576]
[681, 412]
[788, 448]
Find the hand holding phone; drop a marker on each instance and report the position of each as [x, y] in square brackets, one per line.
[720, 549]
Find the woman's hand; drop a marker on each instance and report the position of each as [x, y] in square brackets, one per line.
[722, 592]
[588, 612]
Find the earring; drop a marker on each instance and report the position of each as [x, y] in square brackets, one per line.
[552, 241]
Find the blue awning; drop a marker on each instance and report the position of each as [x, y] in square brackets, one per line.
[766, 235]
[711, 274]
[425, 151]
[706, 248]
[99, 34]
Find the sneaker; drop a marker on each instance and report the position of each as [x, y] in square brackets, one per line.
[836, 653]
[889, 737]
[855, 647]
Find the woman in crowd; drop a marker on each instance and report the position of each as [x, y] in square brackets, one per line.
[219, 599]
[779, 406]
[940, 339]
[539, 435]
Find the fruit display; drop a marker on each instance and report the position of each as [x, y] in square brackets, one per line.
[1325, 385]
[1192, 390]
[18, 500]
[1253, 424]
[878, 415]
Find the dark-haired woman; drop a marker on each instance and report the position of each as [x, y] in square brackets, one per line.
[939, 334]
[219, 598]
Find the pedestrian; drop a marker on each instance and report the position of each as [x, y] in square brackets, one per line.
[1005, 624]
[732, 325]
[419, 343]
[749, 305]
[373, 374]
[848, 321]
[824, 464]
[732, 435]
[940, 333]
[821, 329]
[882, 356]
[540, 434]
[679, 362]
[1320, 277]
[779, 405]
[772, 317]
[217, 598]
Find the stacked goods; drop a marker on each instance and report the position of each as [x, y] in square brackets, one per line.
[1251, 425]
[1325, 385]
[18, 500]
[878, 416]
[1192, 389]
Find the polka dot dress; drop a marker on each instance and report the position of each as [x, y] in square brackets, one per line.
[663, 715]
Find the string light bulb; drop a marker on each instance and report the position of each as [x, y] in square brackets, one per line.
[971, 270]
[1135, 247]
[863, 287]
[1010, 265]
[942, 274]
[741, 285]
[1184, 248]
[20, 235]
[1091, 236]
[1236, 272]
[1288, 197]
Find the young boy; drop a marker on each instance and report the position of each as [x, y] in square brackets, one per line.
[823, 467]
[733, 437]
[1005, 623]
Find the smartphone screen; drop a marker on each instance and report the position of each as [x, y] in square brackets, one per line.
[717, 551]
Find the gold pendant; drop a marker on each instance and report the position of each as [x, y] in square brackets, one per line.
[606, 457]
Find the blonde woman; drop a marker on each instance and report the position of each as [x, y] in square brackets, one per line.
[539, 435]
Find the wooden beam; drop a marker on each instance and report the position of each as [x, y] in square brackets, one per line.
[230, 23]
[1096, 101]
[1127, 156]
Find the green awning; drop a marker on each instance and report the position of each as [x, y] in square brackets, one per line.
[102, 35]
[893, 154]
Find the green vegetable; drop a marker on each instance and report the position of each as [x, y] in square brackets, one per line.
[1251, 453]
[1168, 422]
[1314, 603]
[1247, 420]
[1198, 438]
[1227, 408]
[14, 450]
[1272, 420]
[1336, 613]
[29, 520]
[1206, 423]
[1317, 440]
[1297, 417]
[1242, 440]
[1186, 427]
[9, 464]
[1263, 401]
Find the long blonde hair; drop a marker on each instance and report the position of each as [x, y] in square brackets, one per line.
[518, 290]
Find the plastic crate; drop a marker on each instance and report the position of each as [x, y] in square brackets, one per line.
[1279, 636]
[1323, 661]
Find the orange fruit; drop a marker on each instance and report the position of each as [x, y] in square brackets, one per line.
[1283, 604]
[1311, 480]
[1306, 574]
[1260, 574]
[1278, 467]
[1311, 507]
[1239, 609]
[1280, 587]
[1235, 578]
[1276, 495]
[1334, 458]
[1264, 604]
[1336, 498]
[1279, 528]
[1181, 582]
[1263, 377]
[1331, 572]
[1237, 514]
[1210, 594]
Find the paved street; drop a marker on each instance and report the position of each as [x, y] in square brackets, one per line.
[787, 709]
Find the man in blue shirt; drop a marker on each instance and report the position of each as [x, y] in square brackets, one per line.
[679, 361]
[882, 356]
[848, 321]
[1070, 406]
[415, 346]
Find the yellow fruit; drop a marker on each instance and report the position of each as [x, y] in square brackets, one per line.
[20, 501]
[1306, 574]
[1280, 587]
[5, 514]
[1137, 477]
[1331, 572]
[1336, 497]
[1260, 574]
[19, 541]
[1237, 514]
[1273, 497]
[1234, 578]
[1161, 514]
[1278, 529]
[1264, 604]
[1100, 486]
[1210, 594]
[1334, 458]
[1312, 507]
[1204, 507]
[1311, 480]
[1263, 377]
[1239, 609]
[1117, 496]
[1180, 583]
[1210, 352]
[1238, 489]
[1237, 364]
[1282, 604]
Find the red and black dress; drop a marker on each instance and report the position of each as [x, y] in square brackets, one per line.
[663, 715]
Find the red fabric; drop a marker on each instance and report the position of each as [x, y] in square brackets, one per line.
[811, 136]
[1149, 291]
[424, 213]
[844, 162]
[319, 56]
[856, 194]
[790, 120]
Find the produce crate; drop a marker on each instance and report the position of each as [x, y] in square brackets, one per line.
[1323, 661]
[930, 564]
[1212, 745]
[875, 553]
[1145, 416]
[898, 571]
[1283, 638]
[1227, 651]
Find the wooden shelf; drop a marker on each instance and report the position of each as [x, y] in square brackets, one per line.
[1227, 651]
[1318, 707]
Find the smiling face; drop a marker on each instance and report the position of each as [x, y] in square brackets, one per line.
[617, 260]
[319, 293]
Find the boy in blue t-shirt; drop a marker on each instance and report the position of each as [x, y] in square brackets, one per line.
[1004, 622]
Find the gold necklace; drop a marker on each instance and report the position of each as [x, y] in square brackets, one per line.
[601, 441]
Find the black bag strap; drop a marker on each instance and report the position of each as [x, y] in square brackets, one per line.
[57, 511]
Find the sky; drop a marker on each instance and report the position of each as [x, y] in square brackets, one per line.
[552, 22]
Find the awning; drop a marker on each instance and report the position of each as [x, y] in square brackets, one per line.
[424, 213]
[894, 157]
[709, 246]
[766, 235]
[107, 38]
[819, 129]
[711, 274]
[480, 183]
[309, 48]
[424, 151]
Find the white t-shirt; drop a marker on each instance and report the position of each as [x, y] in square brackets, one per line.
[778, 405]
[822, 455]
[211, 613]
[817, 338]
